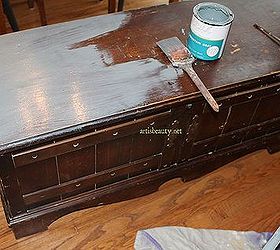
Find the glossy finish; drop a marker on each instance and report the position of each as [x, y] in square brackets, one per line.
[55, 71]
[119, 121]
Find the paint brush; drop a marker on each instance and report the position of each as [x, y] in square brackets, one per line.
[181, 58]
[268, 34]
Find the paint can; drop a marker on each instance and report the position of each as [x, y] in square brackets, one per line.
[209, 30]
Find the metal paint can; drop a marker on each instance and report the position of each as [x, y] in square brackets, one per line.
[209, 30]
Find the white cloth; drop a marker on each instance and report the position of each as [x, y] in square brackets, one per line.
[182, 238]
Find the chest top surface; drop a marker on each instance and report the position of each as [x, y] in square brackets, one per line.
[63, 75]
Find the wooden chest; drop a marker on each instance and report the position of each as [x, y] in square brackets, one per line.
[93, 113]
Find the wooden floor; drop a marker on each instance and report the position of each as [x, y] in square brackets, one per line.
[243, 195]
[67, 10]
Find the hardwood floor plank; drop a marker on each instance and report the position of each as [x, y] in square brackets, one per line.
[66, 10]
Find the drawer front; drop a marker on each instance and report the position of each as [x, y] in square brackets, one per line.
[38, 175]
[92, 161]
[268, 108]
[93, 182]
[240, 111]
[76, 164]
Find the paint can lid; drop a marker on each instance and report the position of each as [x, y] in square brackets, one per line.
[213, 13]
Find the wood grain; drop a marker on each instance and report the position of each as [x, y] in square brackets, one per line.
[67, 10]
[243, 195]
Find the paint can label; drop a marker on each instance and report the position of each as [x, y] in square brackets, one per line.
[209, 30]
[203, 48]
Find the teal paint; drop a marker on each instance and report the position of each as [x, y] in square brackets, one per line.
[209, 30]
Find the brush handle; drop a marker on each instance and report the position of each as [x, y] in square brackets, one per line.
[200, 85]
